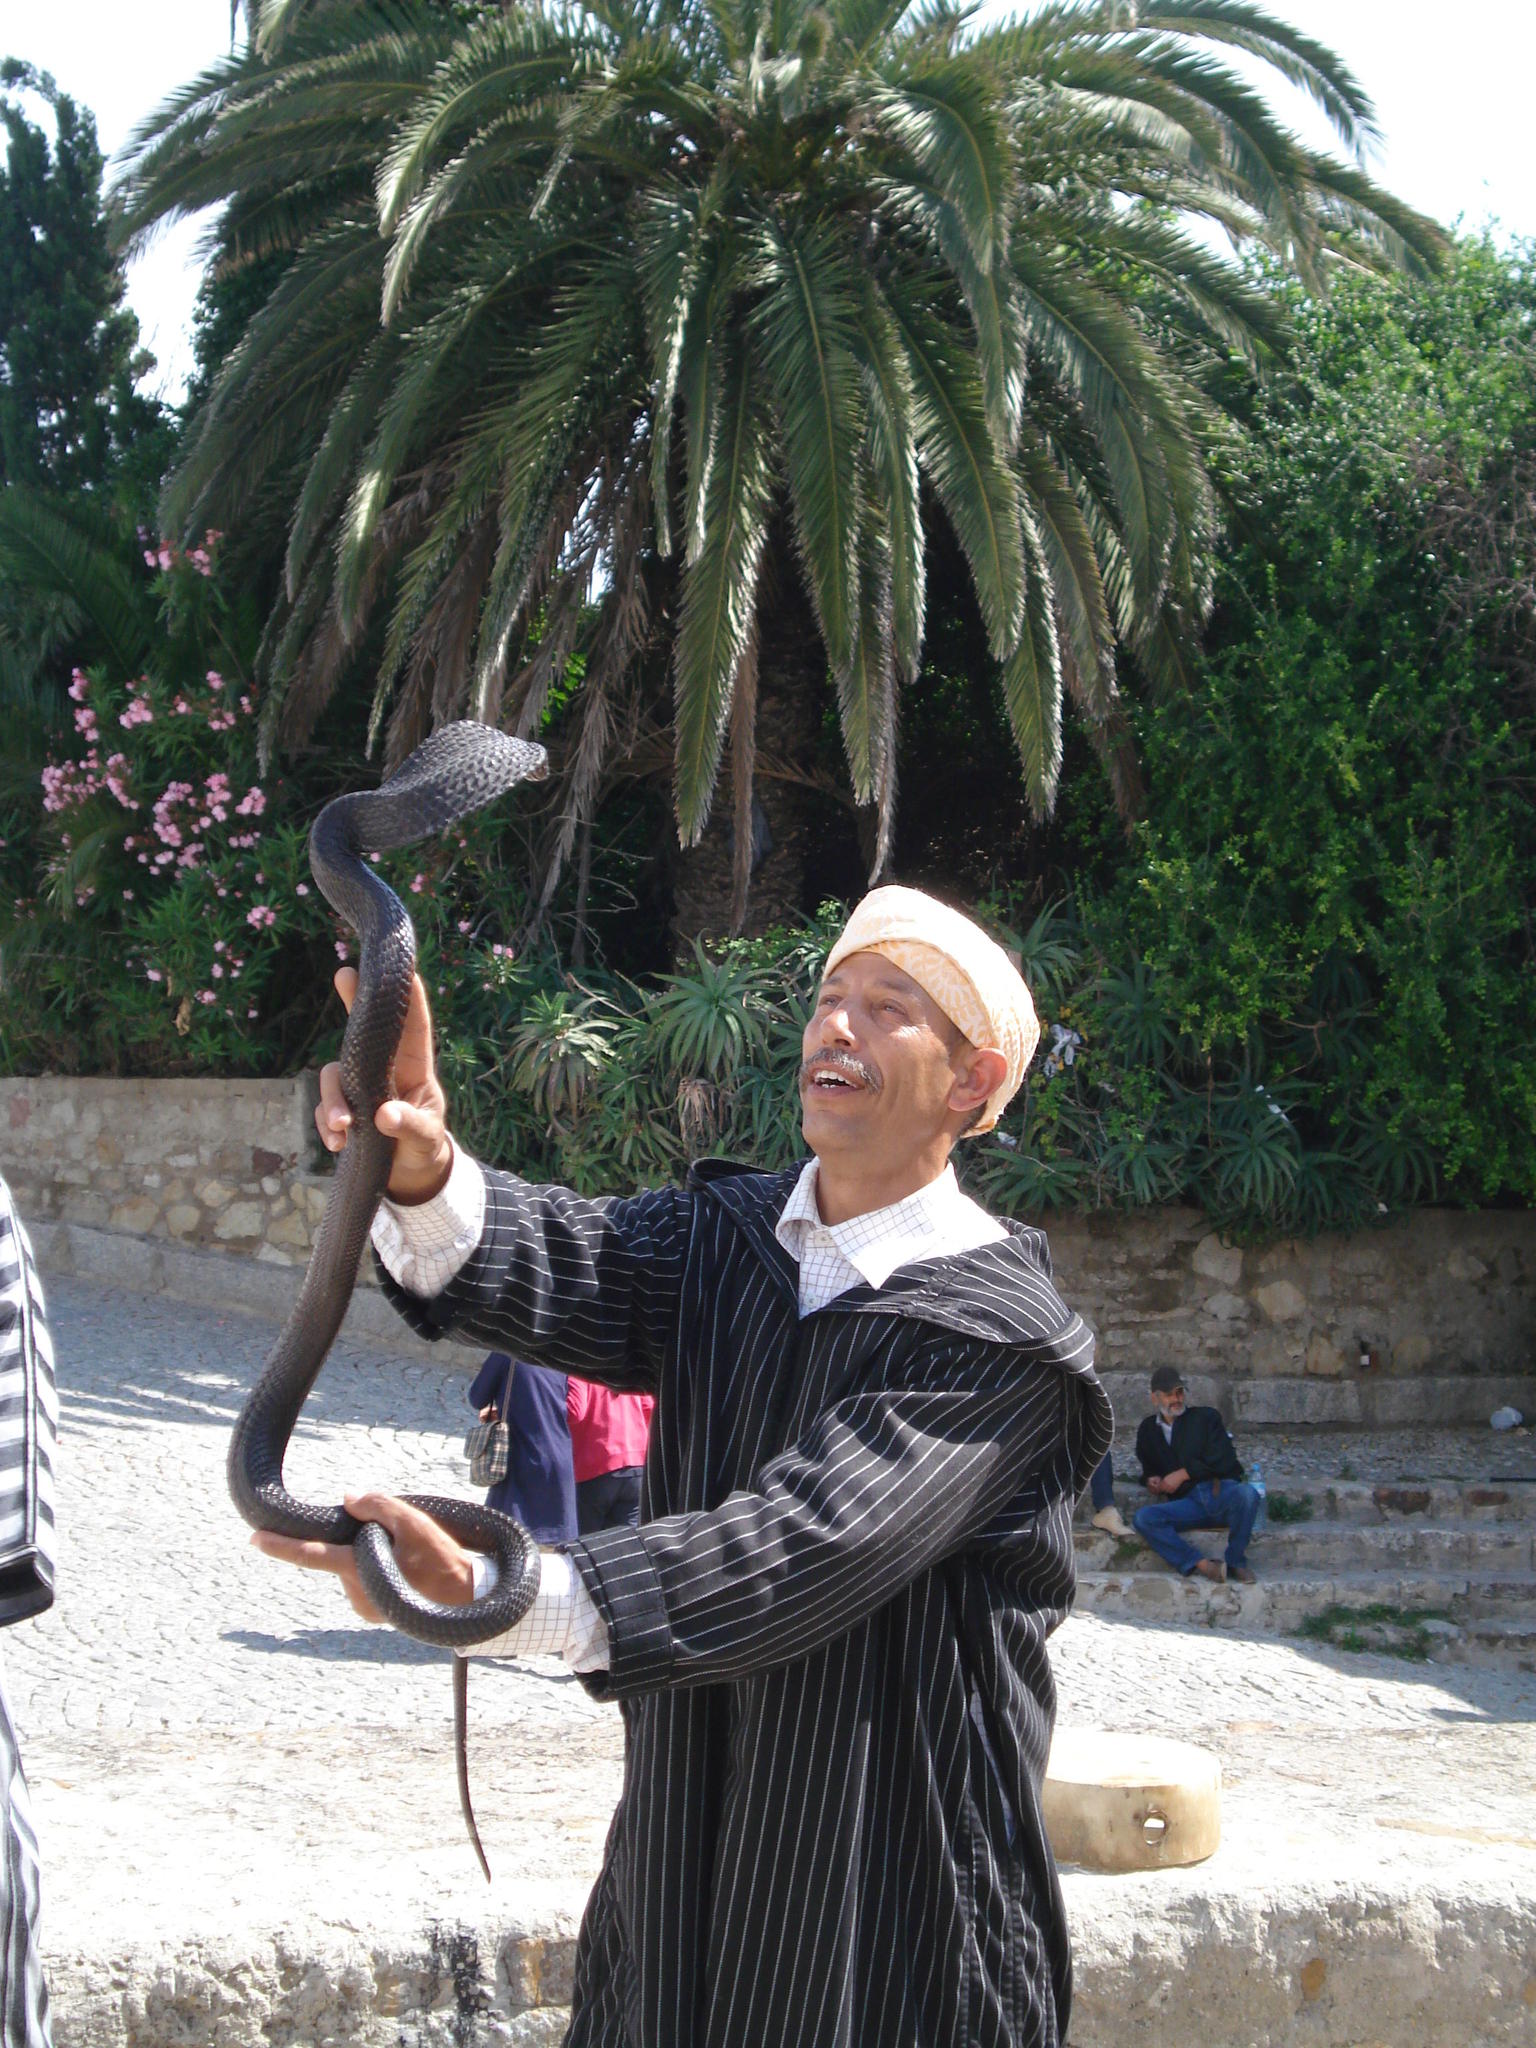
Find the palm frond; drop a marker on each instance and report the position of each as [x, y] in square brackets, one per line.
[47, 546]
[975, 487]
[805, 324]
[719, 593]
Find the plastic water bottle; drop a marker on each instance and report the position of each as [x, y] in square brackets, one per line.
[1256, 1481]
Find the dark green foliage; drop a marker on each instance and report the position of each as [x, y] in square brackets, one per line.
[69, 357]
[1389, 1631]
[1289, 1507]
[1332, 886]
[605, 1085]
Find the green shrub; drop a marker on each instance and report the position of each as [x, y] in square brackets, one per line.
[1307, 998]
[1289, 1507]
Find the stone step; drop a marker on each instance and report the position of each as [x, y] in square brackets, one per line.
[1498, 1609]
[1498, 1643]
[1363, 1501]
[1329, 1546]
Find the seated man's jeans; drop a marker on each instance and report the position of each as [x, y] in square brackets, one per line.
[1102, 1485]
[1234, 1508]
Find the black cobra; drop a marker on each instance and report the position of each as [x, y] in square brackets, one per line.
[458, 770]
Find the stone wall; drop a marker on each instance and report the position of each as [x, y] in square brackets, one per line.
[1442, 1302]
[1355, 1328]
[223, 1165]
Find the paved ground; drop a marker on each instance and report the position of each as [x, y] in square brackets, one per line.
[216, 1746]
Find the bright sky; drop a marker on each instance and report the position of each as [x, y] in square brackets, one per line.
[1452, 90]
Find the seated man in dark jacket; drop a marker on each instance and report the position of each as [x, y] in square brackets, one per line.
[1190, 1463]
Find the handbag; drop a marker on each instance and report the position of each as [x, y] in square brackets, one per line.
[488, 1446]
[29, 1427]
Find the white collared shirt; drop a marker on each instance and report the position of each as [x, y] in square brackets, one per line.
[935, 1223]
[426, 1245]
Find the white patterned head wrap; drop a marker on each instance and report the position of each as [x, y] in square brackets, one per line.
[958, 967]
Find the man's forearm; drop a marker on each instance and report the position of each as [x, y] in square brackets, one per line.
[424, 1245]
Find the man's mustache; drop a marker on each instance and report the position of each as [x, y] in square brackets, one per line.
[842, 1063]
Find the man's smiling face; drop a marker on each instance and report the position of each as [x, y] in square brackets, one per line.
[880, 1059]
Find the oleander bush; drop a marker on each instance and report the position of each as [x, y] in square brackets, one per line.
[158, 915]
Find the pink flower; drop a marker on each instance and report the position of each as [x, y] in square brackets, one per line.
[218, 972]
[250, 1013]
[341, 949]
[149, 558]
[78, 686]
[165, 557]
[206, 995]
[418, 883]
[127, 895]
[301, 889]
[262, 916]
[464, 924]
[215, 680]
[153, 974]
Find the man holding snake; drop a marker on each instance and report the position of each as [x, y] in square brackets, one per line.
[828, 1634]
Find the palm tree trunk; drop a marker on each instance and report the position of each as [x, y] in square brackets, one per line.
[787, 802]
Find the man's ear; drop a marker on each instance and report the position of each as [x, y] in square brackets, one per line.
[981, 1072]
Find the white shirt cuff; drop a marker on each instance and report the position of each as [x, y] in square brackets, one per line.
[562, 1622]
[427, 1244]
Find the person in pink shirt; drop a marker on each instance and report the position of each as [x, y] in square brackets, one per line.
[608, 1439]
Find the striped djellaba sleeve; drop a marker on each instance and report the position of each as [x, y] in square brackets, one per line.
[882, 1486]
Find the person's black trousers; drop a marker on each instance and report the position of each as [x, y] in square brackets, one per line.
[610, 1501]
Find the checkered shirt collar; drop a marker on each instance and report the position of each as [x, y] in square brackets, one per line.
[936, 1222]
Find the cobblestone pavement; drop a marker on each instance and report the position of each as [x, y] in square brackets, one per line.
[210, 1736]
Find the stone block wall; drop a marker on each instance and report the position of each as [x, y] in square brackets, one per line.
[1439, 1291]
[219, 1165]
[1443, 1302]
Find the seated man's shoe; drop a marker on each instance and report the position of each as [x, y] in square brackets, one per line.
[1242, 1574]
[1110, 1519]
[1208, 1568]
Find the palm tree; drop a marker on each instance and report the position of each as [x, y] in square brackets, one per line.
[601, 321]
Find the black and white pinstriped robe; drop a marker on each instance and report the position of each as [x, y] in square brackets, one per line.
[828, 1634]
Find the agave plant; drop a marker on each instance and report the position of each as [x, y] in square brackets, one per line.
[561, 1045]
[711, 1021]
[594, 313]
